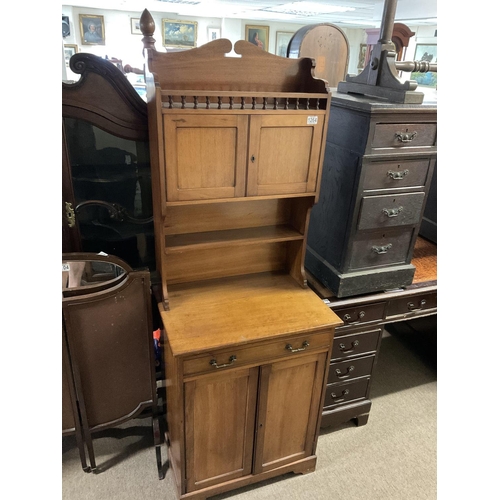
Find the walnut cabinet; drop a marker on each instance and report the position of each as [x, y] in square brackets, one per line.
[237, 147]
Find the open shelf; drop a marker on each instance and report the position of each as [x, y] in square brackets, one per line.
[231, 238]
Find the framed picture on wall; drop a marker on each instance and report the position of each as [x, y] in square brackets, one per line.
[362, 56]
[258, 35]
[213, 34]
[69, 51]
[182, 34]
[425, 52]
[135, 26]
[282, 39]
[92, 29]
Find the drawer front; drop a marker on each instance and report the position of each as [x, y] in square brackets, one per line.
[355, 344]
[380, 249]
[351, 368]
[339, 394]
[417, 304]
[358, 315]
[396, 174]
[404, 135]
[222, 359]
[390, 210]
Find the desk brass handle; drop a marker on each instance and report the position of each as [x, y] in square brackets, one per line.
[382, 249]
[347, 318]
[413, 307]
[392, 212]
[340, 398]
[405, 137]
[232, 359]
[397, 176]
[305, 345]
[338, 372]
[344, 349]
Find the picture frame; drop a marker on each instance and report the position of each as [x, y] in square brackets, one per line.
[362, 55]
[425, 52]
[135, 27]
[282, 40]
[213, 34]
[181, 34]
[258, 35]
[92, 29]
[69, 50]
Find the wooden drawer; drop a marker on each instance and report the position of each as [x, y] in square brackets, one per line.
[404, 135]
[380, 249]
[339, 394]
[358, 315]
[222, 359]
[417, 304]
[390, 210]
[351, 368]
[355, 344]
[396, 174]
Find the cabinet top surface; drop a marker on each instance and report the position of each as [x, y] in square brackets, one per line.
[241, 310]
[372, 104]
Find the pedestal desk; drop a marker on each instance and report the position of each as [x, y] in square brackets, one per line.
[357, 341]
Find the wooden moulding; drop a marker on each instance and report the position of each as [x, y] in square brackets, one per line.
[210, 67]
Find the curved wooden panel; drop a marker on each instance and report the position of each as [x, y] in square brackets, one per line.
[327, 45]
[104, 97]
[209, 68]
[109, 336]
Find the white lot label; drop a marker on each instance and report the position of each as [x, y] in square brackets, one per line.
[65, 267]
[312, 120]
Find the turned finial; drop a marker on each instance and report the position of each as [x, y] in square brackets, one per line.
[147, 26]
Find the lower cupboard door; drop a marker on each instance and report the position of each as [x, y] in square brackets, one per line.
[220, 423]
[290, 395]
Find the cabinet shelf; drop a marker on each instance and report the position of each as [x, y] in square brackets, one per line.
[231, 237]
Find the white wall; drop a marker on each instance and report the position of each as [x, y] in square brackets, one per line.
[122, 44]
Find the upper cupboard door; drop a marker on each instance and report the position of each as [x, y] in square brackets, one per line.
[284, 153]
[205, 156]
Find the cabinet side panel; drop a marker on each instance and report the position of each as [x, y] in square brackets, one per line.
[174, 417]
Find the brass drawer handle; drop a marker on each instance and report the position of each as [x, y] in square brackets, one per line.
[392, 212]
[405, 137]
[338, 372]
[340, 398]
[347, 318]
[70, 214]
[344, 349]
[305, 345]
[232, 359]
[413, 307]
[382, 249]
[397, 176]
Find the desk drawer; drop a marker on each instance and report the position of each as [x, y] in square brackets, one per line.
[390, 210]
[380, 249]
[339, 394]
[358, 315]
[396, 174]
[351, 368]
[225, 358]
[416, 304]
[355, 344]
[404, 135]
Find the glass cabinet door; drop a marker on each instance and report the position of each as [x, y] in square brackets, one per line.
[111, 180]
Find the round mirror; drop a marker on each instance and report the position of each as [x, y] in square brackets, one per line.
[89, 273]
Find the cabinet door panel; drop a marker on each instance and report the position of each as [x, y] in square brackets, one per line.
[289, 399]
[283, 154]
[205, 156]
[220, 419]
